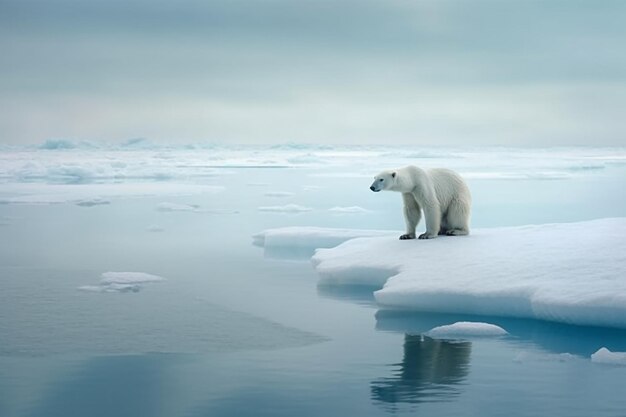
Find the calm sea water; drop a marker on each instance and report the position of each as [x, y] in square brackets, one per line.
[233, 332]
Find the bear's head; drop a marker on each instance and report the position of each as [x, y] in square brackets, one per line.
[383, 181]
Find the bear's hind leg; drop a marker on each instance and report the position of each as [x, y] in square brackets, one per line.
[457, 219]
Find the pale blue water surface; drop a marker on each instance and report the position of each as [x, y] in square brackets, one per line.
[233, 332]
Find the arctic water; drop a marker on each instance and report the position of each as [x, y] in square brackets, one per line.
[233, 329]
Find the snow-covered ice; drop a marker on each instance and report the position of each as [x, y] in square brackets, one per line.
[605, 356]
[287, 208]
[462, 329]
[122, 282]
[570, 272]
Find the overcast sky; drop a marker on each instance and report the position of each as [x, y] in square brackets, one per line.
[333, 72]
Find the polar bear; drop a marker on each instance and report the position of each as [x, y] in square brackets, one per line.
[441, 193]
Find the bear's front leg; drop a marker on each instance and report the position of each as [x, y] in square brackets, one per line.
[432, 213]
[426, 236]
[412, 214]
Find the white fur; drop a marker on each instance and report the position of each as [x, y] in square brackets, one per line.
[440, 193]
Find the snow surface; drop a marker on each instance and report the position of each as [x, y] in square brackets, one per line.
[122, 282]
[570, 272]
[605, 356]
[466, 329]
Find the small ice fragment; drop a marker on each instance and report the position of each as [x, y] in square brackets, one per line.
[605, 356]
[466, 329]
[279, 194]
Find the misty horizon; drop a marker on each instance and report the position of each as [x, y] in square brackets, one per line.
[428, 73]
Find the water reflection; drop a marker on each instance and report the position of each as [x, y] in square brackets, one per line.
[431, 370]
[553, 337]
[109, 386]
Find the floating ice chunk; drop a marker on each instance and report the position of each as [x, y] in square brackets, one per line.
[129, 278]
[605, 356]
[288, 208]
[279, 194]
[177, 207]
[90, 202]
[348, 210]
[311, 237]
[111, 288]
[571, 273]
[122, 282]
[466, 329]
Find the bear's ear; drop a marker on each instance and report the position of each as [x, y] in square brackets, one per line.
[393, 175]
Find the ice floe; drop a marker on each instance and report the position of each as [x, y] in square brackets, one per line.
[35, 193]
[122, 282]
[90, 202]
[312, 237]
[287, 208]
[605, 356]
[279, 194]
[166, 206]
[463, 329]
[570, 272]
[348, 210]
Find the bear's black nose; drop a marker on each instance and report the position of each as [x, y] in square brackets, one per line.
[372, 188]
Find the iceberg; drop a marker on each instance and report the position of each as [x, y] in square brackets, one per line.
[570, 273]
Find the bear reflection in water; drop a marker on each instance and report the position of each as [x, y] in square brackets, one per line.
[429, 371]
